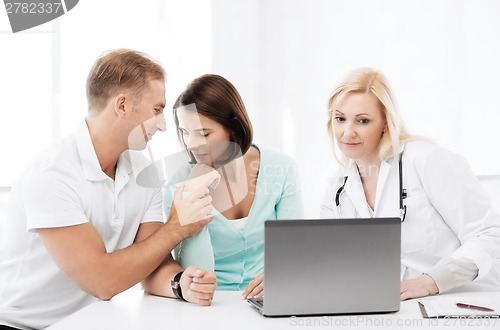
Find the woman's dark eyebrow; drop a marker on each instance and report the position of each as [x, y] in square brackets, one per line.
[203, 129]
[196, 130]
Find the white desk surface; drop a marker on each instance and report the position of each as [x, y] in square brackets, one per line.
[134, 309]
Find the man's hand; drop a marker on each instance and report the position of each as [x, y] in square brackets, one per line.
[190, 214]
[202, 176]
[255, 288]
[422, 286]
[198, 286]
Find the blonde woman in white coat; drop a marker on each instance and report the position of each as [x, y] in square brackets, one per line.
[450, 231]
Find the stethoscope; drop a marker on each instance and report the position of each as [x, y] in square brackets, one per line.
[402, 193]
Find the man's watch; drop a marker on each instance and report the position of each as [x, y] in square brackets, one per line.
[175, 283]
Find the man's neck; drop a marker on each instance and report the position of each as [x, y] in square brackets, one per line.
[106, 143]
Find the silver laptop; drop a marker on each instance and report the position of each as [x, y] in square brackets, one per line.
[323, 267]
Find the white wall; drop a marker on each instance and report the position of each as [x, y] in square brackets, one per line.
[441, 57]
[44, 70]
[285, 56]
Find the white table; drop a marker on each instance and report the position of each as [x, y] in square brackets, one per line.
[134, 309]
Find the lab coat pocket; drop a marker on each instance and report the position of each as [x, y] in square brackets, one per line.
[418, 231]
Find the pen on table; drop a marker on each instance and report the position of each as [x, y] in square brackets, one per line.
[478, 308]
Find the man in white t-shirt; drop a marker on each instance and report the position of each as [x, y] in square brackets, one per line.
[80, 228]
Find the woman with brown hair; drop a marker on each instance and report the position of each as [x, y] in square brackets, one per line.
[256, 184]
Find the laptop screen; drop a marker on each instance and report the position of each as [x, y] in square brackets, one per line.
[332, 266]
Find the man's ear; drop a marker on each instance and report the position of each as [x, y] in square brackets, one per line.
[120, 102]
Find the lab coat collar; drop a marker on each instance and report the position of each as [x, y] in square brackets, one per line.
[383, 174]
[386, 166]
[354, 187]
[354, 191]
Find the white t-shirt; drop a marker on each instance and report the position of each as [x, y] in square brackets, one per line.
[64, 186]
[239, 224]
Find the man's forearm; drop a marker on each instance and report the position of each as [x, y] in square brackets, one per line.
[149, 258]
[80, 252]
[158, 282]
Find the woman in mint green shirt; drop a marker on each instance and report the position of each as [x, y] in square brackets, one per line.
[256, 184]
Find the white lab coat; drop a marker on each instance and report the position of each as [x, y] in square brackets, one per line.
[449, 214]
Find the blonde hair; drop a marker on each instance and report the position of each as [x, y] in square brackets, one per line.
[121, 70]
[368, 80]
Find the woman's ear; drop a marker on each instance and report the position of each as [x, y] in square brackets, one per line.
[385, 128]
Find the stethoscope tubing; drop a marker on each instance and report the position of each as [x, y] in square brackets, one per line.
[402, 192]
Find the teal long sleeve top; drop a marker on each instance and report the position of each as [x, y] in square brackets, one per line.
[238, 256]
